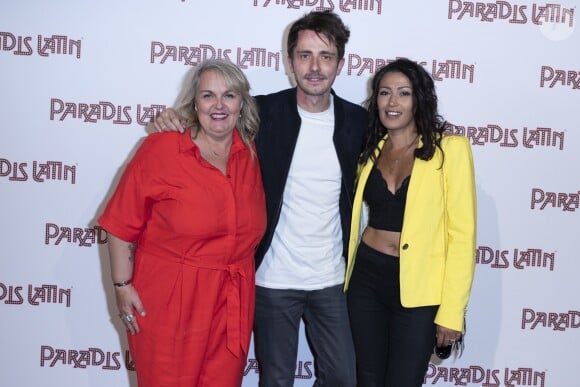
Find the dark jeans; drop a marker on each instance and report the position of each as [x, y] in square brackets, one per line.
[393, 344]
[276, 331]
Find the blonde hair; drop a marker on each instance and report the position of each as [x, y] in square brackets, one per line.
[248, 122]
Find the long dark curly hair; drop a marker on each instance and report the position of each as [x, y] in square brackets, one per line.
[430, 125]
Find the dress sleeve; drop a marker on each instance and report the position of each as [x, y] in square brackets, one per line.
[127, 211]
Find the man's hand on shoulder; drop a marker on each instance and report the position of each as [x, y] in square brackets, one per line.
[169, 121]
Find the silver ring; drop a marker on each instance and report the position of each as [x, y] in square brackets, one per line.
[129, 318]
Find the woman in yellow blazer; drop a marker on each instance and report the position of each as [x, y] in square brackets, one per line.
[410, 277]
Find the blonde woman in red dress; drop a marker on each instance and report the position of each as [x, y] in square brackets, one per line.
[183, 225]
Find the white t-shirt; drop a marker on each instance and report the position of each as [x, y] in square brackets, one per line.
[306, 249]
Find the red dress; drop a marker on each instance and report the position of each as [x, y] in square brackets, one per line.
[197, 230]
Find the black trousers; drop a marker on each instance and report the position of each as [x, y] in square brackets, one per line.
[393, 344]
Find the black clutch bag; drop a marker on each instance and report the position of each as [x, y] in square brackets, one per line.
[445, 352]
[456, 346]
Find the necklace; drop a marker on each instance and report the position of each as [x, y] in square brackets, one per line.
[207, 150]
[405, 149]
[216, 154]
[393, 163]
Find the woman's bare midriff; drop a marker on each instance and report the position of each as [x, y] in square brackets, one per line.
[387, 242]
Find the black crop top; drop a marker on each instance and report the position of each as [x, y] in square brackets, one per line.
[386, 209]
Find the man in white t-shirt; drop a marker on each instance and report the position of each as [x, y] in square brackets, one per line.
[308, 145]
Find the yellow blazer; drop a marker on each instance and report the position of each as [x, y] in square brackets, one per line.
[437, 248]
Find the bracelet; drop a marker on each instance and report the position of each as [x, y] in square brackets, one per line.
[121, 284]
